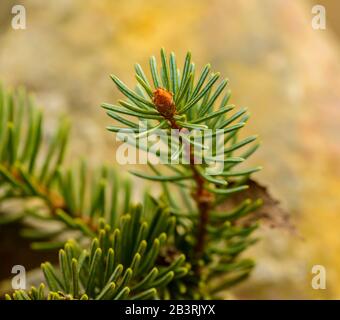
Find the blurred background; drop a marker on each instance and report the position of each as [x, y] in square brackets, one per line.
[287, 73]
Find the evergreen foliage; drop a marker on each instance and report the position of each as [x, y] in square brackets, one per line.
[177, 246]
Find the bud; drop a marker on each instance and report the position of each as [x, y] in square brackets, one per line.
[164, 102]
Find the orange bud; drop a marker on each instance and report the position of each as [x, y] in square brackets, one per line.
[164, 102]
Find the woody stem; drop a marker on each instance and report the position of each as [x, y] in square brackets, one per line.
[165, 105]
[202, 197]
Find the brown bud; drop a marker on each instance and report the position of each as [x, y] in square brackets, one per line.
[164, 102]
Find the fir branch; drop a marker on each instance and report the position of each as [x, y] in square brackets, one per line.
[184, 104]
[177, 246]
[32, 167]
[105, 271]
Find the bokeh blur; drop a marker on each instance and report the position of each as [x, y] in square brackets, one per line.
[286, 72]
